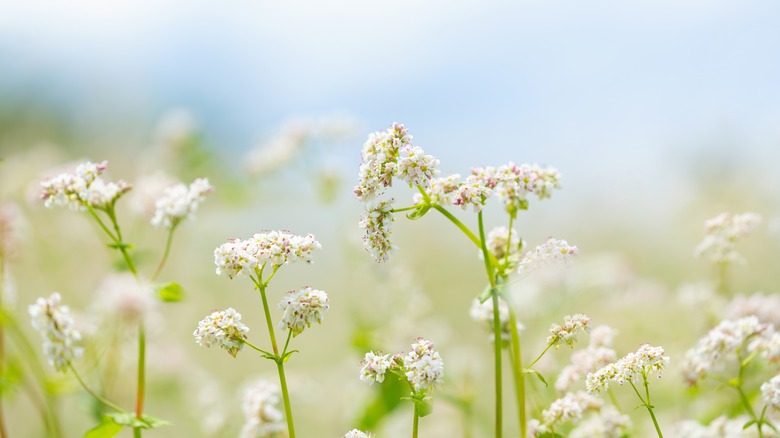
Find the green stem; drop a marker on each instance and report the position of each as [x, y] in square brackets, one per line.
[120, 243]
[722, 278]
[165, 254]
[140, 392]
[415, 424]
[647, 405]
[93, 393]
[254, 347]
[518, 372]
[742, 396]
[102, 225]
[496, 330]
[540, 356]
[401, 210]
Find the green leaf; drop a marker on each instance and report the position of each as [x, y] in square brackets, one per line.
[537, 374]
[120, 245]
[145, 422]
[423, 406]
[287, 355]
[170, 292]
[748, 424]
[486, 294]
[419, 212]
[106, 429]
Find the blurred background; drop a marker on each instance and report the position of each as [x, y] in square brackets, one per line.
[659, 115]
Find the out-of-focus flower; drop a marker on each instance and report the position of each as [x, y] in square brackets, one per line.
[83, 188]
[374, 367]
[235, 257]
[713, 351]
[765, 306]
[56, 327]
[120, 295]
[770, 392]
[222, 328]
[608, 422]
[551, 251]
[504, 244]
[10, 230]
[423, 365]
[572, 325]
[354, 433]
[147, 190]
[631, 368]
[570, 407]
[718, 428]
[263, 418]
[301, 308]
[722, 232]
[376, 221]
[280, 149]
[180, 202]
[483, 313]
[598, 354]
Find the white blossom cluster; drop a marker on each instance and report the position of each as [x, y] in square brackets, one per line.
[147, 190]
[391, 154]
[722, 232]
[179, 202]
[570, 407]
[483, 314]
[376, 221]
[222, 328]
[551, 251]
[354, 433]
[765, 306]
[301, 308]
[631, 368]
[503, 244]
[599, 353]
[719, 347]
[422, 366]
[263, 418]
[83, 188]
[770, 392]
[56, 326]
[121, 296]
[608, 422]
[720, 427]
[235, 257]
[572, 326]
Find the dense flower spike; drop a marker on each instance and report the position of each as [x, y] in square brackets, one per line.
[596, 355]
[180, 202]
[374, 367]
[376, 221]
[391, 154]
[56, 326]
[83, 188]
[354, 433]
[722, 232]
[235, 257]
[424, 367]
[721, 343]
[551, 251]
[572, 325]
[633, 367]
[301, 308]
[261, 411]
[223, 328]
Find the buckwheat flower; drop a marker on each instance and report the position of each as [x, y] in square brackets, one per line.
[572, 325]
[380, 153]
[83, 188]
[606, 423]
[281, 248]
[301, 308]
[765, 306]
[424, 367]
[720, 427]
[547, 180]
[263, 418]
[598, 354]
[570, 407]
[415, 167]
[536, 428]
[374, 367]
[440, 191]
[56, 327]
[720, 344]
[224, 329]
[770, 392]
[631, 368]
[499, 240]
[551, 251]
[722, 232]
[483, 313]
[376, 221]
[354, 433]
[235, 258]
[279, 150]
[515, 183]
[473, 192]
[147, 190]
[180, 202]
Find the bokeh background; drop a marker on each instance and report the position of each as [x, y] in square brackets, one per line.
[659, 115]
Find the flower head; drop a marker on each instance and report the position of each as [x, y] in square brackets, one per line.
[598, 354]
[56, 327]
[354, 433]
[223, 328]
[261, 411]
[722, 232]
[301, 308]
[551, 251]
[374, 367]
[770, 392]
[607, 423]
[424, 367]
[504, 244]
[83, 188]
[376, 221]
[634, 366]
[570, 407]
[572, 325]
[180, 202]
[237, 257]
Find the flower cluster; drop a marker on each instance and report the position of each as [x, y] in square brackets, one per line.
[422, 366]
[598, 354]
[261, 411]
[121, 296]
[746, 336]
[572, 325]
[376, 221]
[631, 368]
[719, 427]
[570, 407]
[504, 244]
[608, 422]
[83, 188]
[765, 306]
[391, 154]
[551, 251]
[483, 313]
[223, 328]
[770, 392]
[56, 327]
[301, 308]
[721, 233]
[235, 257]
[180, 202]
[354, 433]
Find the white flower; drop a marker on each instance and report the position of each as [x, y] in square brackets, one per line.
[301, 308]
[770, 392]
[551, 251]
[376, 221]
[56, 327]
[223, 328]
[180, 202]
[571, 407]
[607, 423]
[261, 411]
[374, 367]
[83, 188]
[596, 355]
[572, 325]
[634, 366]
[379, 164]
[235, 257]
[474, 192]
[354, 433]
[499, 240]
[722, 232]
[721, 427]
[440, 190]
[415, 167]
[147, 190]
[424, 367]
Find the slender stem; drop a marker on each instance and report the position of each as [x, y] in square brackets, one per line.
[93, 393]
[102, 225]
[287, 343]
[139, 400]
[517, 367]
[254, 347]
[120, 244]
[415, 424]
[401, 210]
[496, 330]
[540, 356]
[286, 398]
[165, 254]
[742, 396]
[646, 404]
